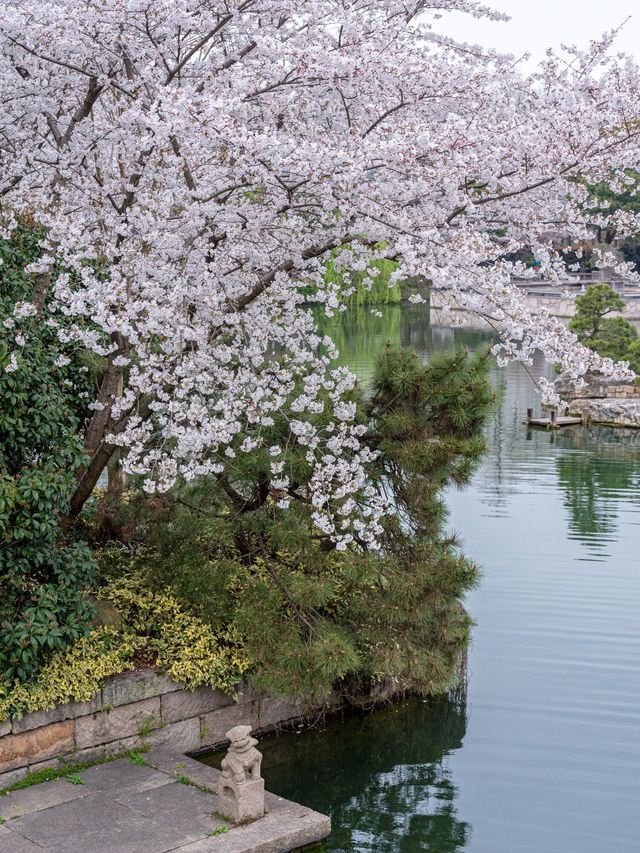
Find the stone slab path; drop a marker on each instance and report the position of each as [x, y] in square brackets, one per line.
[122, 807]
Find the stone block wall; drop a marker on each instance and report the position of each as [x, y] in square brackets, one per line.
[133, 710]
[597, 387]
[624, 392]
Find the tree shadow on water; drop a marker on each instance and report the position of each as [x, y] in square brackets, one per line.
[599, 471]
[383, 777]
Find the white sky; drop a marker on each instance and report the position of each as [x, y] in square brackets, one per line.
[536, 25]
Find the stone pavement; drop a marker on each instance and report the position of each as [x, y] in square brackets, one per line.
[122, 807]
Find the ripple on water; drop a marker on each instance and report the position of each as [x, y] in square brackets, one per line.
[543, 755]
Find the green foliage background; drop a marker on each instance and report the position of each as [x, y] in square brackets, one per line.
[380, 292]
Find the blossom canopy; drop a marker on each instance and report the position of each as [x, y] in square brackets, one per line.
[194, 165]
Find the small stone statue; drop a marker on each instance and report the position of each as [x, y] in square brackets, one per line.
[241, 788]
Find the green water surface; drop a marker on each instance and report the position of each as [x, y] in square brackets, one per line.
[543, 753]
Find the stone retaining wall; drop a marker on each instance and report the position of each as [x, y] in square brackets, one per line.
[623, 392]
[133, 710]
[616, 412]
[560, 306]
[597, 387]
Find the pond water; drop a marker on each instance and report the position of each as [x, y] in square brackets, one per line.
[543, 753]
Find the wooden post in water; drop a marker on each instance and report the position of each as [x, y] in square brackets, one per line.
[529, 415]
[552, 418]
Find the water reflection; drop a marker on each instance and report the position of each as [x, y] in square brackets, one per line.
[596, 485]
[547, 761]
[384, 778]
[597, 467]
[361, 334]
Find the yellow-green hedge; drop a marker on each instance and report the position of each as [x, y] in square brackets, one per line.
[155, 624]
[193, 654]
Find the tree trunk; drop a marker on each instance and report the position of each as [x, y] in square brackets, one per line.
[109, 509]
[99, 450]
[89, 476]
[87, 483]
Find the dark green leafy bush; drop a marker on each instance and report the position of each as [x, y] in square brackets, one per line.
[43, 578]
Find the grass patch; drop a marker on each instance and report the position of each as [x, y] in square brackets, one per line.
[51, 773]
[148, 725]
[219, 831]
[184, 780]
[69, 771]
[135, 756]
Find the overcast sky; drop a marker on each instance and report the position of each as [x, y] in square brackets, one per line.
[536, 25]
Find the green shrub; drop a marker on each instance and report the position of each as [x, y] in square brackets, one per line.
[190, 651]
[43, 577]
[154, 627]
[72, 675]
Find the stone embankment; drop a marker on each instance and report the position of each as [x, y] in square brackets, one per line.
[564, 307]
[601, 402]
[557, 305]
[132, 710]
[611, 412]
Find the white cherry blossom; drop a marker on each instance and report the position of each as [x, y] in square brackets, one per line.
[196, 164]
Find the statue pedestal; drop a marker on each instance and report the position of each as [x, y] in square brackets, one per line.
[241, 788]
[240, 801]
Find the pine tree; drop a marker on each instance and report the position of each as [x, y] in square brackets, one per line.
[592, 308]
[315, 618]
[611, 337]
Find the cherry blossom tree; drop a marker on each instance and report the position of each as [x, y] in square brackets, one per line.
[195, 164]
